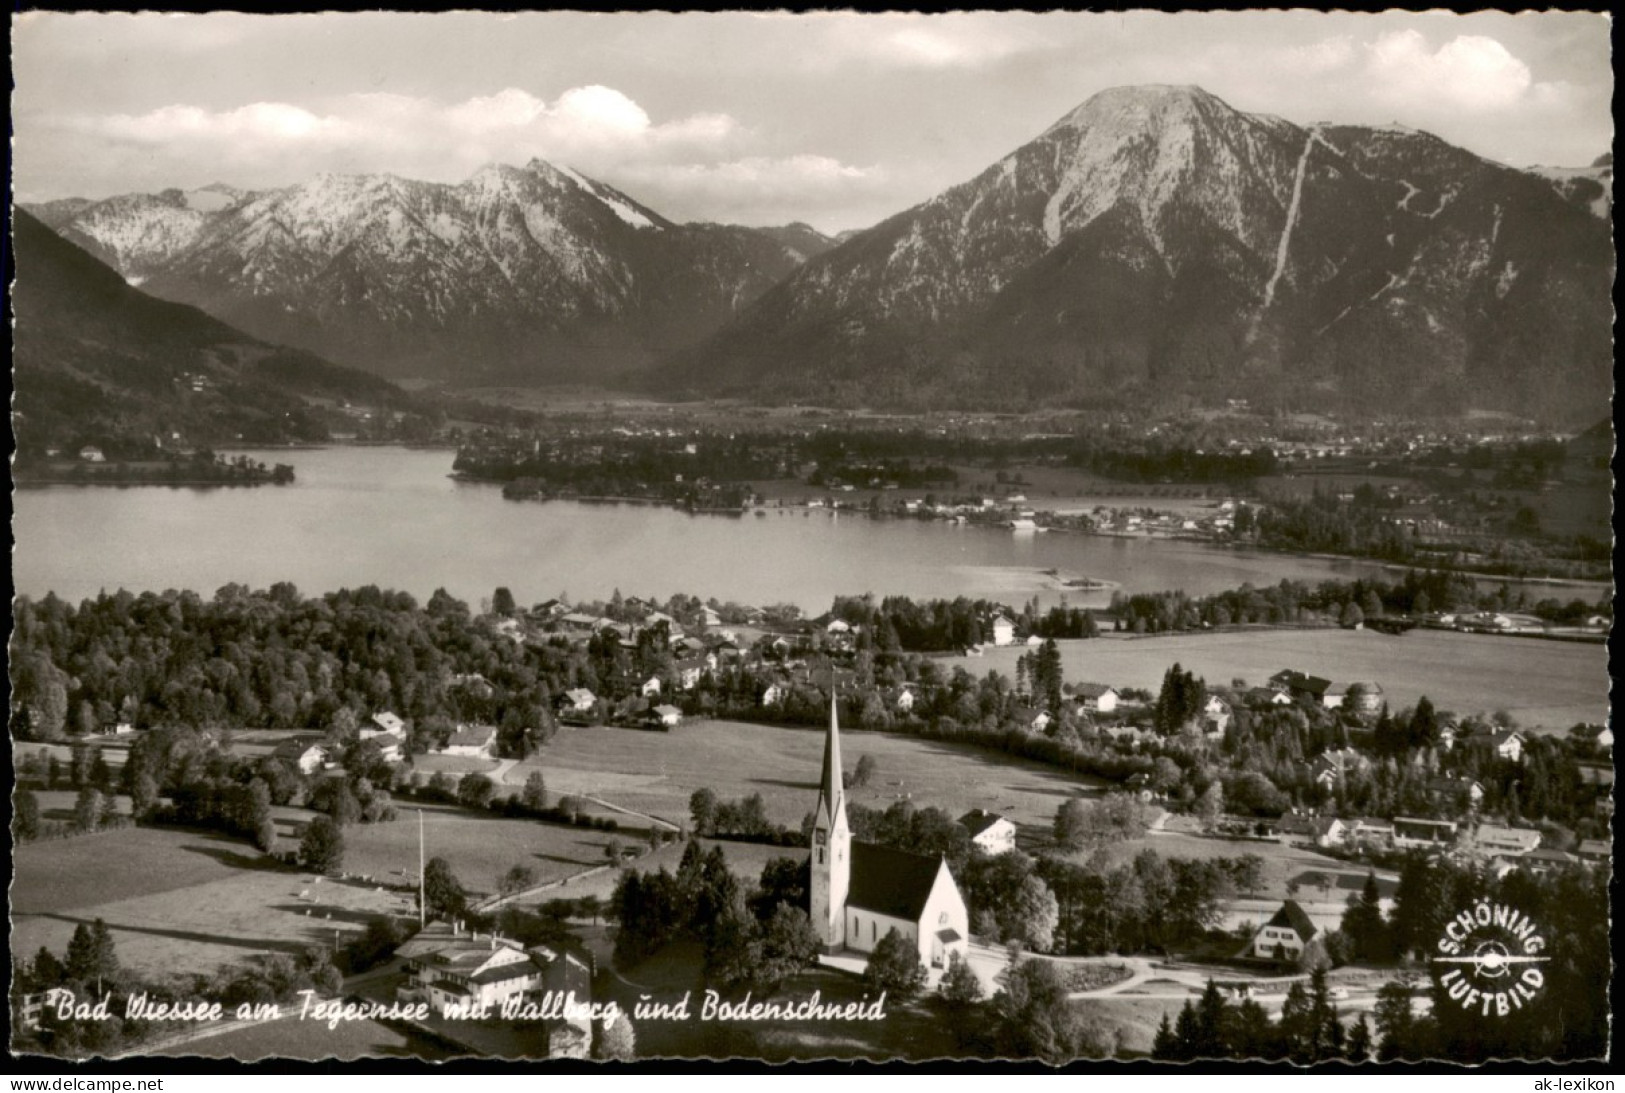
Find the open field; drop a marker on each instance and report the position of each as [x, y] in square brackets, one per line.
[656, 772]
[480, 846]
[179, 901]
[1550, 684]
[291, 1038]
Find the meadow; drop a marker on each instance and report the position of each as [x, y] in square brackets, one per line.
[1544, 684]
[180, 901]
[481, 847]
[656, 772]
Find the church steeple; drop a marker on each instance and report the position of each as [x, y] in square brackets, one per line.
[831, 863]
[831, 792]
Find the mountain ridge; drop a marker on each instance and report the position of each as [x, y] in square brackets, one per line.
[1156, 245]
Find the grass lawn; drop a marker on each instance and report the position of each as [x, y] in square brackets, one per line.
[656, 772]
[480, 846]
[179, 901]
[291, 1038]
[1549, 684]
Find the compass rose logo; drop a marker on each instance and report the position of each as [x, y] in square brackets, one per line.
[1490, 957]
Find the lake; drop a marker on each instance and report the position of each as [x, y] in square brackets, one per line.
[395, 517]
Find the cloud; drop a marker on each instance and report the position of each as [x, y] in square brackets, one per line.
[763, 189]
[909, 41]
[592, 126]
[1471, 72]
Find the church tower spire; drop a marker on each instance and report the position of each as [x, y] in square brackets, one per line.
[832, 843]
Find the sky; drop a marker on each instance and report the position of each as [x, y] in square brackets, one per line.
[835, 119]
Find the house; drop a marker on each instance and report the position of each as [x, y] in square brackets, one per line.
[905, 700]
[548, 610]
[1331, 767]
[775, 694]
[860, 892]
[92, 454]
[1371, 834]
[1322, 692]
[1036, 720]
[1507, 744]
[650, 688]
[1296, 825]
[1329, 831]
[664, 716]
[1004, 631]
[1285, 936]
[838, 626]
[1602, 736]
[307, 752]
[1496, 839]
[457, 973]
[1260, 698]
[384, 723]
[1215, 716]
[1363, 697]
[474, 683]
[1139, 783]
[990, 831]
[1451, 789]
[578, 701]
[1415, 834]
[1096, 697]
[1594, 851]
[1545, 859]
[1447, 737]
[474, 741]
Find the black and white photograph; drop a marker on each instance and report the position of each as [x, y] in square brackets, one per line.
[995, 539]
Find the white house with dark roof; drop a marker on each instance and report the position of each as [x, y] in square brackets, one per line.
[861, 892]
[993, 833]
[1285, 936]
[1004, 630]
[1096, 697]
[307, 752]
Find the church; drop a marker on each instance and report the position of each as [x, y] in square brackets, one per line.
[861, 891]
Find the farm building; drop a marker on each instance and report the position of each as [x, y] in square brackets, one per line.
[1414, 834]
[990, 831]
[475, 741]
[449, 969]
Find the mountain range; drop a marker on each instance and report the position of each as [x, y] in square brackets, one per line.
[97, 361]
[1154, 247]
[529, 274]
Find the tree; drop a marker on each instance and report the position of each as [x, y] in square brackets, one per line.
[502, 602]
[1036, 1020]
[788, 944]
[265, 834]
[475, 790]
[1352, 615]
[865, 772]
[895, 968]
[518, 878]
[443, 894]
[321, 847]
[961, 988]
[1071, 823]
[1396, 1024]
[1210, 805]
[87, 809]
[25, 822]
[91, 954]
[1359, 1042]
[534, 795]
[1033, 915]
[614, 1039]
[702, 808]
